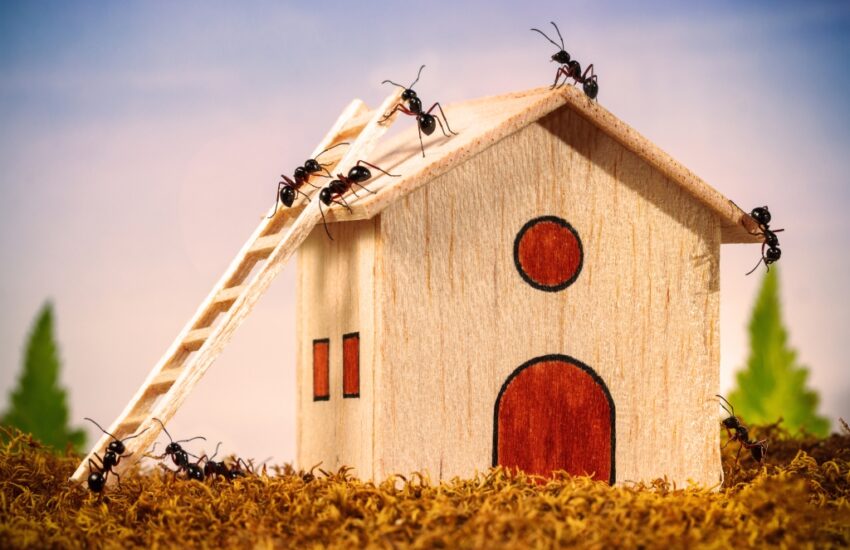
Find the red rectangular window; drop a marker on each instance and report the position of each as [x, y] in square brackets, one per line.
[351, 365]
[321, 367]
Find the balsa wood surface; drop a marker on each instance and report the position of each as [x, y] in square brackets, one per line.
[455, 318]
[215, 321]
[483, 122]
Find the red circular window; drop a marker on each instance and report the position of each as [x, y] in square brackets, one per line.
[548, 253]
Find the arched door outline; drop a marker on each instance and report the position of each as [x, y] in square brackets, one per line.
[576, 363]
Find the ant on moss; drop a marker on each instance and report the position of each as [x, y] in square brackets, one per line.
[111, 457]
[737, 431]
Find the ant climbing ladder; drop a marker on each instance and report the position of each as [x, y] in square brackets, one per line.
[233, 297]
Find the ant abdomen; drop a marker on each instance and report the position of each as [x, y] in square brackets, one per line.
[359, 174]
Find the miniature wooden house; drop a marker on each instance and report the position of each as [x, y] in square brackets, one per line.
[540, 291]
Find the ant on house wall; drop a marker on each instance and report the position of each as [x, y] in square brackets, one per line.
[289, 188]
[424, 120]
[113, 455]
[571, 68]
[762, 216]
[758, 449]
[335, 190]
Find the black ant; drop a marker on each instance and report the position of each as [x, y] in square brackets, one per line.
[221, 469]
[180, 456]
[289, 188]
[338, 187]
[425, 120]
[570, 68]
[113, 455]
[758, 449]
[762, 216]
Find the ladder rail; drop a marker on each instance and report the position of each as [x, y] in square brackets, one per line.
[165, 404]
[350, 114]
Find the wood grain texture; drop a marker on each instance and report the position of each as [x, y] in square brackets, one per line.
[336, 288]
[553, 414]
[455, 317]
[160, 401]
[483, 122]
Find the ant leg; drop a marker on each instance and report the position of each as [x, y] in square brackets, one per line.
[558, 73]
[276, 200]
[398, 107]
[326, 171]
[421, 144]
[757, 264]
[359, 162]
[738, 454]
[343, 203]
[440, 107]
[305, 194]
[361, 187]
[118, 476]
[324, 221]
[589, 68]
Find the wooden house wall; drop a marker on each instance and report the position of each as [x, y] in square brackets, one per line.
[456, 318]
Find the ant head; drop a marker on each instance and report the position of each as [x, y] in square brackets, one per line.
[562, 57]
[325, 193]
[96, 481]
[116, 447]
[408, 94]
[761, 215]
[731, 422]
[173, 448]
[287, 195]
[772, 255]
[312, 165]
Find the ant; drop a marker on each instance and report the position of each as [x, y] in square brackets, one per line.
[338, 187]
[425, 120]
[762, 216]
[221, 469]
[757, 449]
[113, 455]
[570, 68]
[180, 456]
[289, 188]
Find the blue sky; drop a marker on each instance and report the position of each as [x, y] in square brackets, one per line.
[140, 141]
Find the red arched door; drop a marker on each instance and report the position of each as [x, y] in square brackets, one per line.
[555, 413]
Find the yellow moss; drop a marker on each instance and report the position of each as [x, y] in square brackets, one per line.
[800, 496]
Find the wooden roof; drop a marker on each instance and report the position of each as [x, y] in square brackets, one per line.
[482, 122]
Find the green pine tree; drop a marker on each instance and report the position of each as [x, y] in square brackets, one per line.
[38, 404]
[773, 385]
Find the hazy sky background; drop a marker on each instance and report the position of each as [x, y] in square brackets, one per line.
[140, 144]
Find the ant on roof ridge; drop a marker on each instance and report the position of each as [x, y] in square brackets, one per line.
[571, 68]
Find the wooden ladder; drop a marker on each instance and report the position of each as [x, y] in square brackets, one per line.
[233, 297]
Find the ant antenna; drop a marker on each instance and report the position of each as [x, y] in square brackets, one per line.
[101, 428]
[191, 439]
[393, 83]
[163, 429]
[417, 77]
[559, 33]
[329, 148]
[732, 411]
[549, 39]
[758, 263]
[215, 453]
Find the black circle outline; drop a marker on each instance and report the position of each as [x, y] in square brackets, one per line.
[562, 222]
[575, 362]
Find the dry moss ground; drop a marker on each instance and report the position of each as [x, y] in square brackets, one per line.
[798, 498]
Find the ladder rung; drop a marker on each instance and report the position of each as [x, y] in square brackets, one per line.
[229, 294]
[265, 244]
[166, 377]
[196, 338]
[130, 424]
